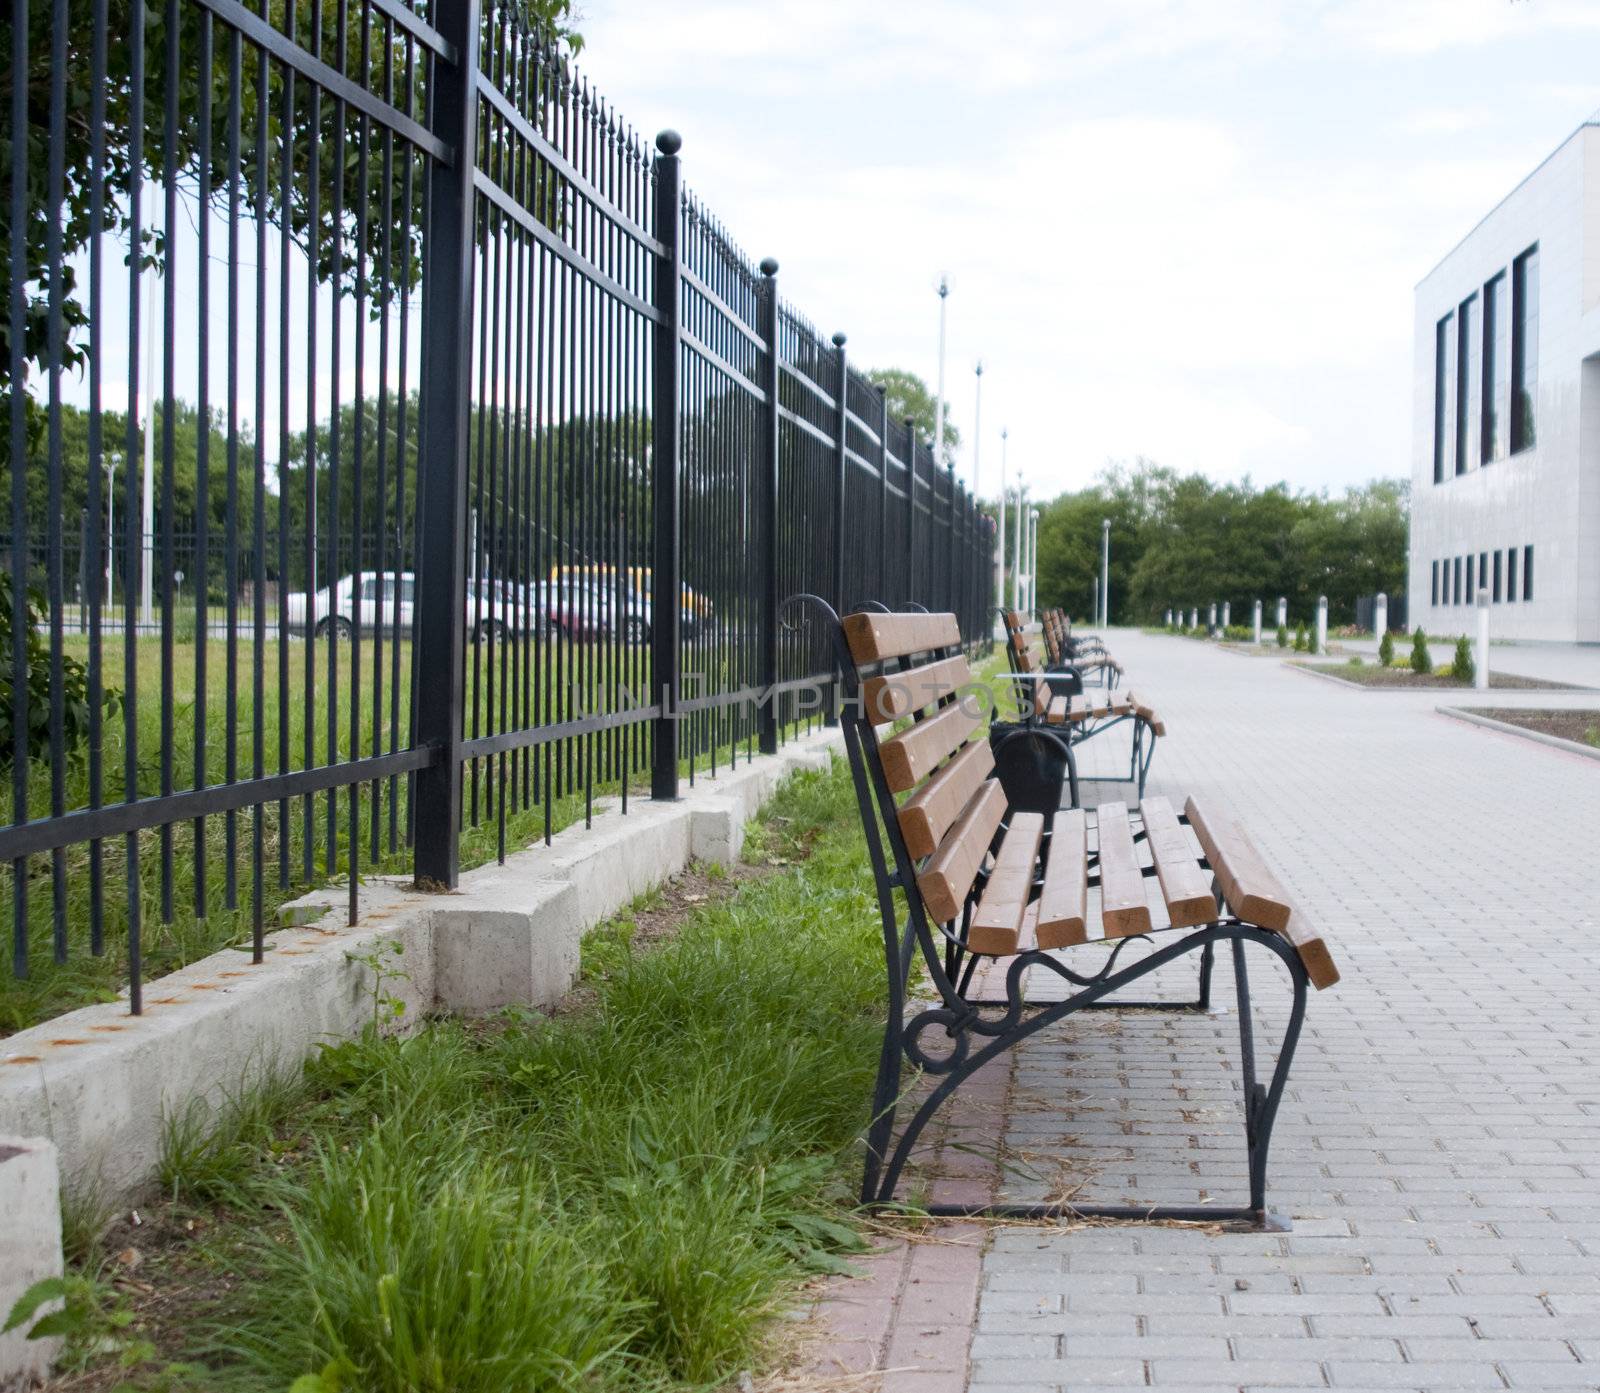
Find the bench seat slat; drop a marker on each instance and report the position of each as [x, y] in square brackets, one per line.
[948, 876]
[1253, 893]
[928, 814]
[1149, 717]
[912, 755]
[998, 919]
[1185, 888]
[1124, 908]
[890, 696]
[1063, 902]
[873, 636]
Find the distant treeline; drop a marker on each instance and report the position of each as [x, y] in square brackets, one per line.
[1184, 540]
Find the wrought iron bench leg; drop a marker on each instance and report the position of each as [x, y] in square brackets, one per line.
[1260, 1100]
[975, 1045]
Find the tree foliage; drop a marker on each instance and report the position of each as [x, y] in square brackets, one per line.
[1185, 541]
[911, 398]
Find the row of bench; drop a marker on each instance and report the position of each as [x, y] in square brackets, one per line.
[964, 875]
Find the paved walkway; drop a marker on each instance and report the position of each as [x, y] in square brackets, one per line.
[1439, 1145]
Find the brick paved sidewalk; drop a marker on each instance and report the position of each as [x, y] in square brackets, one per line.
[1439, 1144]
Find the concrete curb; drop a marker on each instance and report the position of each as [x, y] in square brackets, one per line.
[1555, 742]
[99, 1082]
[30, 1199]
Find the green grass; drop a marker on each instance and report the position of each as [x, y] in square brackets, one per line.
[205, 917]
[618, 1198]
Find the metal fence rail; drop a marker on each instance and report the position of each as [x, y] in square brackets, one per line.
[481, 459]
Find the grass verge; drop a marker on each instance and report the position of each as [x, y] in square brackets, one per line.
[616, 1197]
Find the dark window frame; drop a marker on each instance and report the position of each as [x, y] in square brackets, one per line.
[1497, 576]
[1511, 575]
[1443, 392]
[1524, 433]
[1527, 572]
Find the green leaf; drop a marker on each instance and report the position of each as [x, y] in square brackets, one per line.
[46, 1289]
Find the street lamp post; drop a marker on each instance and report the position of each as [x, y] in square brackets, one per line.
[938, 405]
[1033, 560]
[113, 457]
[1016, 550]
[977, 433]
[1000, 531]
[1105, 572]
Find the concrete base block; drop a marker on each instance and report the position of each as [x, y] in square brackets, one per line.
[30, 1251]
[506, 944]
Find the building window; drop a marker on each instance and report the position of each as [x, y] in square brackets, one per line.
[1527, 573]
[1511, 574]
[1433, 593]
[1457, 583]
[1444, 384]
[1497, 577]
[1483, 576]
[1524, 348]
[1469, 387]
[1495, 376]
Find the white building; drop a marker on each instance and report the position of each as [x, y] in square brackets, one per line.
[1506, 440]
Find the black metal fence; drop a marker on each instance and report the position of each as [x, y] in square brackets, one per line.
[484, 455]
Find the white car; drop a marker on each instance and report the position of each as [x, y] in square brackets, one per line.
[493, 607]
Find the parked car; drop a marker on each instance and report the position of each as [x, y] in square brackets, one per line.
[637, 601]
[493, 606]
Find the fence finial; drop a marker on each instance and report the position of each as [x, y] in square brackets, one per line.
[669, 142]
[769, 266]
[838, 340]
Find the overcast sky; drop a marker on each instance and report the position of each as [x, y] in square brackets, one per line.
[1187, 229]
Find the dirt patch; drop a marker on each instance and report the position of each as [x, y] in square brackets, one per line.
[1403, 679]
[1581, 727]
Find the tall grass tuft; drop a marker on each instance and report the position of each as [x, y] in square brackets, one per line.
[617, 1198]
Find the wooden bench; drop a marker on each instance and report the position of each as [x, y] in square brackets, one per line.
[964, 878]
[1081, 714]
[1061, 645]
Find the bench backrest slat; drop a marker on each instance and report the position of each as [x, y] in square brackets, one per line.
[873, 637]
[931, 811]
[891, 695]
[947, 877]
[909, 757]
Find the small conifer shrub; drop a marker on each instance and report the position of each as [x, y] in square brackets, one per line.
[1463, 669]
[1283, 636]
[1421, 659]
[1386, 649]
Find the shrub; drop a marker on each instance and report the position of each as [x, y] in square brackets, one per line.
[1463, 669]
[74, 681]
[1386, 649]
[1311, 639]
[1421, 659]
[1300, 639]
[1283, 636]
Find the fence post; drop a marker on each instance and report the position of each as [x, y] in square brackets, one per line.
[1258, 623]
[841, 425]
[883, 495]
[911, 509]
[767, 725]
[442, 486]
[666, 571]
[1322, 625]
[1380, 617]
